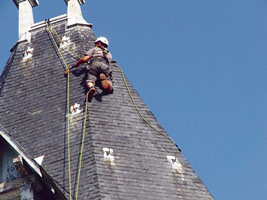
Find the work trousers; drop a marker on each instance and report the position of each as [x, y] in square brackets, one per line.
[97, 67]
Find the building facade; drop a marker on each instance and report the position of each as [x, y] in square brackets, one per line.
[58, 145]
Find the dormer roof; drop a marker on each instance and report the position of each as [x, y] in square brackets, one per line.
[27, 162]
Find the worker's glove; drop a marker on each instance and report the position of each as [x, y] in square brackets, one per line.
[67, 70]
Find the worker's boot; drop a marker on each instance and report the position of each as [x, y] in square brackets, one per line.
[91, 92]
[106, 84]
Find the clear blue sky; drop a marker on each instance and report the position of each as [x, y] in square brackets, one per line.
[200, 66]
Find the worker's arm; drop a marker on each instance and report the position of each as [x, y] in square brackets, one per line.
[81, 61]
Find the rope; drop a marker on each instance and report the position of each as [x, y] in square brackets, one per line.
[139, 112]
[60, 38]
[84, 123]
[133, 101]
[49, 27]
[68, 107]
[85, 114]
[81, 151]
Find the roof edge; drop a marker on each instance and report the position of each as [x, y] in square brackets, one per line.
[31, 162]
[53, 20]
[14, 144]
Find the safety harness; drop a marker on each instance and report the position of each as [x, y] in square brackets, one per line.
[102, 58]
[105, 52]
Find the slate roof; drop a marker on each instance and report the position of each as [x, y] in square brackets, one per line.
[33, 108]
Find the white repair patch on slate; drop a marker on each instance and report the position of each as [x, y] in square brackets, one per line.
[108, 155]
[176, 165]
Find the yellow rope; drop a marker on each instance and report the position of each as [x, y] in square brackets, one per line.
[139, 112]
[68, 128]
[81, 151]
[84, 123]
[70, 49]
[68, 107]
[85, 115]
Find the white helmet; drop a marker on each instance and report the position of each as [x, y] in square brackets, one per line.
[103, 40]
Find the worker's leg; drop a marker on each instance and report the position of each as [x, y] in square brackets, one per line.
[91, 85]
[105, 77]
[106, 84]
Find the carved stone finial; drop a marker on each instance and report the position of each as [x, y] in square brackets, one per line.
[75, 13]
[25, 17]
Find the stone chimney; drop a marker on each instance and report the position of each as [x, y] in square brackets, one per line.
[25, 17]
[75, 13]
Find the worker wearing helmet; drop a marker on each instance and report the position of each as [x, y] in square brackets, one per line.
[99, 58]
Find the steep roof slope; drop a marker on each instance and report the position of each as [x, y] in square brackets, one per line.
[33, 107]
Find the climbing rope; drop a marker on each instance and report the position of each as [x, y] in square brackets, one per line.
[84, 122]
[82, 146]
[86, 108]
[50, 28]
[68, 105]
[60, 38]
[132, 99]
[138, 111]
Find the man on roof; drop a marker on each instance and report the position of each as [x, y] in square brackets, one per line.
[99, 59]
